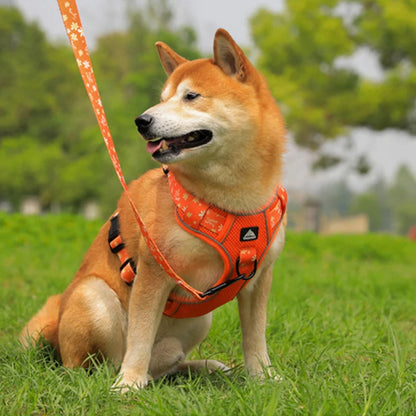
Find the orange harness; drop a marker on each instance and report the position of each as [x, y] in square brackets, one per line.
[242, 240]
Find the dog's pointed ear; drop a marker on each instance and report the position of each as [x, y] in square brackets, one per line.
[229, 56]
[169, 59]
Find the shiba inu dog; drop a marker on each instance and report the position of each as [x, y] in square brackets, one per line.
[221, 136]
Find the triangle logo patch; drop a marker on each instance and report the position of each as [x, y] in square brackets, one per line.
[249, 234]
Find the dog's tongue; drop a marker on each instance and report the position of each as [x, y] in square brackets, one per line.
[152, 147]
[164, 144]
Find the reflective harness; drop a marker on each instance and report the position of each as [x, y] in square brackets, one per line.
[242, 240]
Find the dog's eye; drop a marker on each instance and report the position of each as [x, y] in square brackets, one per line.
[189, 96]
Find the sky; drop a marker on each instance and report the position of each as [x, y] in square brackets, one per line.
[385, 151]
[100, 16]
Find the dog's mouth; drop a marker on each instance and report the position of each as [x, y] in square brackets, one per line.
[174, 145]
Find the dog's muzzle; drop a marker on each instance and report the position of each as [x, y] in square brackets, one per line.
[164, 148]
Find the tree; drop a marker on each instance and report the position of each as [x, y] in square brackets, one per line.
[375, 204]
[336, 198]
[40, 120]
[402, 197]
[299, 50]
[32, 164]
[39, 86]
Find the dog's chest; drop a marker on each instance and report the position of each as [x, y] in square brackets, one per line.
[200, 264]
[194, 260]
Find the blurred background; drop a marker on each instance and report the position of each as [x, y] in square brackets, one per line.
[342, 72]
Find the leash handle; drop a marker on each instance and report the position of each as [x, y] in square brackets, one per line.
[75, 32]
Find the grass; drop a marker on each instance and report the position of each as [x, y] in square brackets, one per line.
[341, 332]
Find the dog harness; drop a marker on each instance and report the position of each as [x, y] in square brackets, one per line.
[242, 240]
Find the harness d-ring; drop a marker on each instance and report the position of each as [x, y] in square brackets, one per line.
[242, 276]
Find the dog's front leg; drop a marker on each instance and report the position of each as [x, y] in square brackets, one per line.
[252, 306]
[147, 299]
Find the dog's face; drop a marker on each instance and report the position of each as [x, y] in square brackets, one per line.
[206, 106]
[182, 125]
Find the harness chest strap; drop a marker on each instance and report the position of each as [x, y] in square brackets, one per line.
[241, 240]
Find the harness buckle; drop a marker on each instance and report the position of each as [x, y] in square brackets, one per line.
[116, 244]
[128, 271]
[222, 286]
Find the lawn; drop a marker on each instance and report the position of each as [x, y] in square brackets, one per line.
[341, 332]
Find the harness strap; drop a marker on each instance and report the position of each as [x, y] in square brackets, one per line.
[127, 268]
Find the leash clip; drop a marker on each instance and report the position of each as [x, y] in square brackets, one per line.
[243, 276]
[222, 286]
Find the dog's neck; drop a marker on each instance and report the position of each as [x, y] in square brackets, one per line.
[234, 187]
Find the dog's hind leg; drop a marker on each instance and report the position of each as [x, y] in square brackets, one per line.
[168, 358]
[167, 355]
[93, 321]
[202, 366]
[176, 338]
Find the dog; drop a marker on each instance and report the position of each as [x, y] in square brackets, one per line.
[221, 138]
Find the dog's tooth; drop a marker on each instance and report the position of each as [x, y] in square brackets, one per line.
[164, 145]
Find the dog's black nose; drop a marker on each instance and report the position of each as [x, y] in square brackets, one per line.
[143, 122]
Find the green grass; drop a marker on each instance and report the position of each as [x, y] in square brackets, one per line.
[341, 332]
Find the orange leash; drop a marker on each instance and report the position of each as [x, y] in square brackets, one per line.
[75, 32]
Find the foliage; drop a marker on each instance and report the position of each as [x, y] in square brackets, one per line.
[341, 332]
[27, 159]
[402, 197]
[336, 199]
[389, 207]
[38, 85]
[50, 144]
[41, 118]
[299, 50]
[375, 204]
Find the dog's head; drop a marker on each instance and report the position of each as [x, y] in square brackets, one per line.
[209, 107]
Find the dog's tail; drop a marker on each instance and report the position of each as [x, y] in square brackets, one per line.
[44, 325]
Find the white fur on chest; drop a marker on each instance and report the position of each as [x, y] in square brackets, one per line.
[195, 261]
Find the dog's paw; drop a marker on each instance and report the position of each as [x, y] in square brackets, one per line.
[272, 375]
[126, 383]
[214, 365]
[265, 373]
